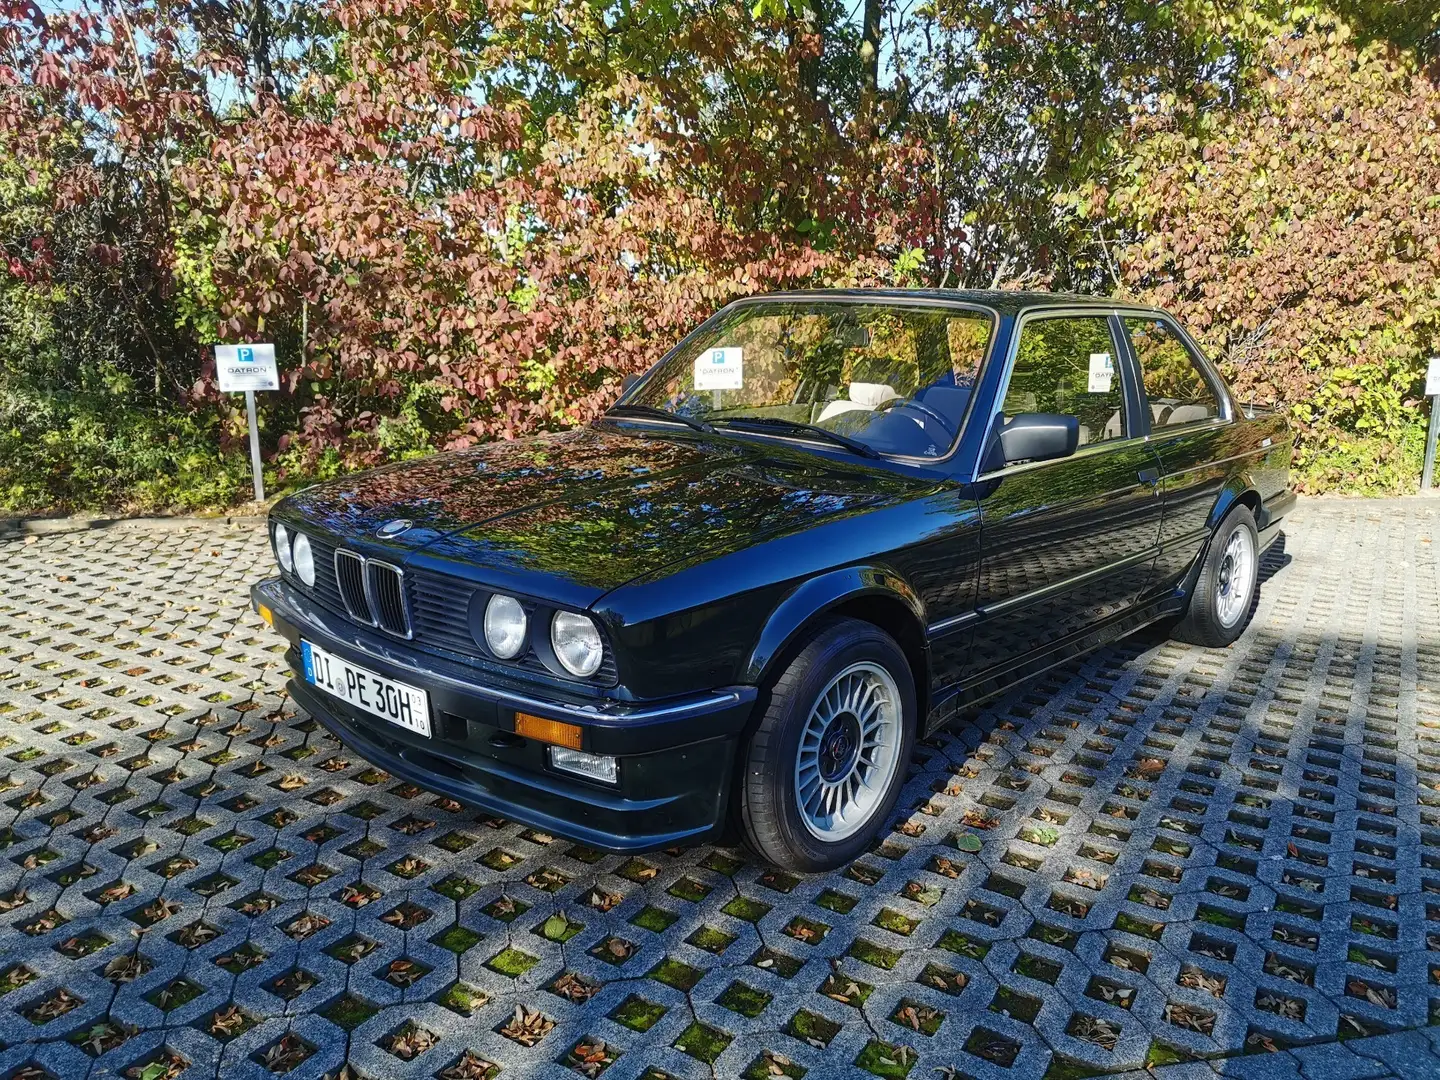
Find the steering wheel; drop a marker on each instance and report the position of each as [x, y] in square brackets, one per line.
[920, 407]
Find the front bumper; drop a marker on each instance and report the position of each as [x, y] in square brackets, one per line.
[675, 756]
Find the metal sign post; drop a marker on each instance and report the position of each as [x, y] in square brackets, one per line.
[247, 368]
[255, 446]
[1432, 391]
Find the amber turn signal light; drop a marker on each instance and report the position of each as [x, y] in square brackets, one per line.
[548, 731]
[266, 615]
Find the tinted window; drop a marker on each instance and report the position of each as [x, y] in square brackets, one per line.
[1067, 365]
[1179, 393]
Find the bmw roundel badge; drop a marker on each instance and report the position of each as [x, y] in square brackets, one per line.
[393, 528]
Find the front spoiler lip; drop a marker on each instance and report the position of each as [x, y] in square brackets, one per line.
[294, 617]
[473, 794]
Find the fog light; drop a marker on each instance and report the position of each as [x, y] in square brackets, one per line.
[592, 766]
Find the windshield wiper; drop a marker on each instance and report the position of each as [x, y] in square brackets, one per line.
[853, 445]
[653, 413]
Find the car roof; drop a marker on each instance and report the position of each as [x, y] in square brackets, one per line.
[1003, 301]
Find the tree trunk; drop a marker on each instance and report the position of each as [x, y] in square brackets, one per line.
[870, 49]
[799, 25]
[260, 45]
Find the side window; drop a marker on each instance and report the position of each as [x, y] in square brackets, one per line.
[1067, 365]
[1178, 391]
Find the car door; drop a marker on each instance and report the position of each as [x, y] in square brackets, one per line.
[1067, 543]
[1189, 433]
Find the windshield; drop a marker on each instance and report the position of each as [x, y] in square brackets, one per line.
[895, 379]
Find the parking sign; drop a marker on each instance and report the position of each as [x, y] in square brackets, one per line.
[246, 367]
[720, 369]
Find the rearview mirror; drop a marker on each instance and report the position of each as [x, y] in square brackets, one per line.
[851, 336]
[1037, 437]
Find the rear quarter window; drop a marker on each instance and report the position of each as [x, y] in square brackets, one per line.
[1177, 389]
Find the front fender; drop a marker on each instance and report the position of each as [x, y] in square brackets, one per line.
[818, 595]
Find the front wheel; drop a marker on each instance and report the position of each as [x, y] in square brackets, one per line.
[1228, 585]
[825, 766]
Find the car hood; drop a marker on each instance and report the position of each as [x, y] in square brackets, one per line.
[570, 517]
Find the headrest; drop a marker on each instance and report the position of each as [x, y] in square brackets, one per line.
[871, 394]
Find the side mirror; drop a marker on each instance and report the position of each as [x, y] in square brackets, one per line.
[627, 382]
[1035, 437]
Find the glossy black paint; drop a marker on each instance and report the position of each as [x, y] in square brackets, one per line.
[706, 558]
[1066, 544]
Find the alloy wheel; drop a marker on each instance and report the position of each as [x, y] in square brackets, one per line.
[1236, 579]
[849, 751]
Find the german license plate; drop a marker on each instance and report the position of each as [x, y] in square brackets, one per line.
[404, 705]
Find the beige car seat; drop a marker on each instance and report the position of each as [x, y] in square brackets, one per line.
[1187, 414]
[863, 395]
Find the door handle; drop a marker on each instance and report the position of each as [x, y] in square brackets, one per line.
[1149, 476]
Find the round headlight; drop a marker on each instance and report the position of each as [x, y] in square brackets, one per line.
[504, 626]
[577, 643]
[282, 548]
[304, 559]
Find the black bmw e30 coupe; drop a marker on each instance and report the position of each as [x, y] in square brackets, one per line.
[820, 527]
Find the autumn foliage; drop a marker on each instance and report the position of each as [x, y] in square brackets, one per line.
[1300, 241]
[575, 248]
[461, 223]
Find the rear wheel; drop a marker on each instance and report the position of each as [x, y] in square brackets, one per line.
[1228, 586]
[825, 766]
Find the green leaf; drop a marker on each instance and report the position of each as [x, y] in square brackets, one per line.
[555, 927]
[968, 842]
[154, 1071]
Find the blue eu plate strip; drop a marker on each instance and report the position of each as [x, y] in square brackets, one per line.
[308, 661]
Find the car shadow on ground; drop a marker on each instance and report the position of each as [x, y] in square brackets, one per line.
[983, 718]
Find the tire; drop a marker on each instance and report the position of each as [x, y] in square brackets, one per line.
[1218, 613]
[844, 658]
